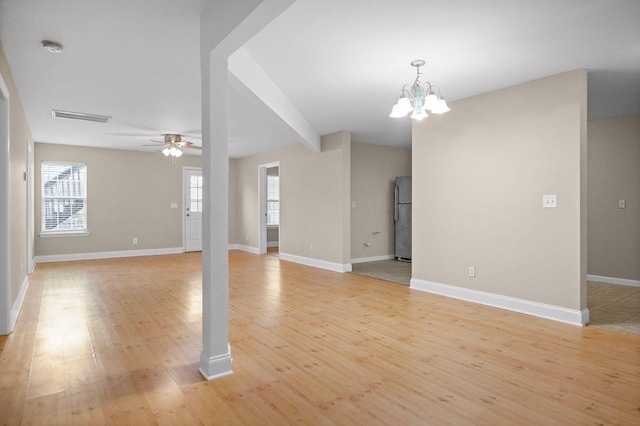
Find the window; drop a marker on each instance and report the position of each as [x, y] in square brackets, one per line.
[273, 200]
[195, 187]
[64, 198]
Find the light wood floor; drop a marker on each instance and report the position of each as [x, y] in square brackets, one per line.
[611, 306]
[118, 341]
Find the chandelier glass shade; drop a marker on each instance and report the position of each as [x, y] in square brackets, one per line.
[418, 98]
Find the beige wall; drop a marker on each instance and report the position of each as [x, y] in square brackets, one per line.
[374, 169]
[314, 199]
[19, 140]
[129, 195]
[613, 175]
[479, 174]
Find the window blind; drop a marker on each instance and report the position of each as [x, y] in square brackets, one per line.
[273, 200]
[64, 197]
[195, 194]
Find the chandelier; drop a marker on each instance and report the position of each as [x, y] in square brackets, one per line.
[418, 98]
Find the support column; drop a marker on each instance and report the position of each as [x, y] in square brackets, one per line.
[215, 360]
[224, 27]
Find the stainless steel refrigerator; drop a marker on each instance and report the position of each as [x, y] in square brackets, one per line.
[402, 218]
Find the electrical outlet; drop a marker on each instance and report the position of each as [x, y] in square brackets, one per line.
[550, 201]
[135, 240]
[472, 271]
[310, 246]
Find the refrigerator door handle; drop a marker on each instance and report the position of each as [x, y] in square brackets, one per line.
[395, 205]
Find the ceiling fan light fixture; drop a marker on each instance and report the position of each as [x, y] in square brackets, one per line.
[174, 145]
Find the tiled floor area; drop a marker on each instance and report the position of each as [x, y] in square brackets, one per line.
[612, 306]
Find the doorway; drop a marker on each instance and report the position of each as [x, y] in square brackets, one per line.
[30, 222]
[269, 215]
[392, 270]
[192, 210]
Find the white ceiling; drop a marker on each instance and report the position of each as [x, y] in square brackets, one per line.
[340, 63]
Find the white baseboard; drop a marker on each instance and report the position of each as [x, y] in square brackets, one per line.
[107, 254]
[611, 280]
[248, 249]
[373, 259]
[273, 243]
[316, 263]
[556, 313]
[15, 309]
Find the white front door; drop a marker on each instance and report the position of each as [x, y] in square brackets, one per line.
[192, 190]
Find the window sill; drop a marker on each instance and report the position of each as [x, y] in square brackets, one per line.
[64, 234]
[273, 226]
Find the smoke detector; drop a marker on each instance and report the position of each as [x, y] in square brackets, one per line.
[51, 46]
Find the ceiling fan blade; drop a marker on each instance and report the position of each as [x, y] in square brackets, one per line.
[131, 135]
[193, 147]
[151, 145]
[197, 133]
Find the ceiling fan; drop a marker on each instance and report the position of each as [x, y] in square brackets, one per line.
[173, 144]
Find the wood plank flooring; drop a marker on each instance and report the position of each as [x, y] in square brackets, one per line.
[117, 341]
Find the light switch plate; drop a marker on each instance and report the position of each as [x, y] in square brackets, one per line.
[550, 201]
[622, 204]
[174, 205]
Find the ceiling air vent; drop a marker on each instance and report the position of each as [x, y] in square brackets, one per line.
[80, 116]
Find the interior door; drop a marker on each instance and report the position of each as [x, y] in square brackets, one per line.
[192, 181]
